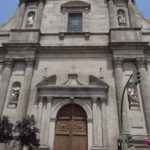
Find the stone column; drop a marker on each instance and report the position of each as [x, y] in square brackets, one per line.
[97, 126]
[45, 123]
[112, 18]
[4, 83]
[104, 124]
[39, 115]
[145, 90]
[26, 88]
[48, 115]
[1, 68]
[148, 68]
[39, 14]
[42, 127]
[20, 14]
[95, 122]
[118, 81]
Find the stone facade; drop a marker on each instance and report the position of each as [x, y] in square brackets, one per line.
[88, 68]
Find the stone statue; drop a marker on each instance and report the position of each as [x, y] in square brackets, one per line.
[133, 96]
[121, 18]
[14, 96]
[30, 19]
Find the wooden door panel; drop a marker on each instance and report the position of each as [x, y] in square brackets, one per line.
[79, 143]
[62, 127]
[62, 142]
[71, 129]
[79, 127]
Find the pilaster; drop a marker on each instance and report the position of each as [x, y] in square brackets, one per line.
[45, 123]
[20, 14]
[1, 68]
[112, 17]
[6, 74]
[39, 14]
[118, 62]
[145, 88]
[97, 126]
[23, 105]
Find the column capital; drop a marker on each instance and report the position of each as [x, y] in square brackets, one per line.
[141, 62]
[148, 61]
[118, 61]
[29, 61]
[8, 61]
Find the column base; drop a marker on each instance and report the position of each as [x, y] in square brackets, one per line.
[44, 147]
[96, 147]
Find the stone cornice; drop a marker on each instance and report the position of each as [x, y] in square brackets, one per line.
[22, 46]
[29, 1]
[124, 44]
[80, 91]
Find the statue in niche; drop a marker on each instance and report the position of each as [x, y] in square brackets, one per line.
[30, 19]
[133, 97]
[14, 95]
[121, 18]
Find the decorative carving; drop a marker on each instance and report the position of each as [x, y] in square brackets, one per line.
[72, 80]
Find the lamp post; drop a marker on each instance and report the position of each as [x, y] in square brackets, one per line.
[124, 135]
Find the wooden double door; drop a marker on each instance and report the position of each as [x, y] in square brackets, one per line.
[71, 129]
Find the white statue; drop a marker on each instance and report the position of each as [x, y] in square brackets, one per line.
[121, 17]
[30, 19]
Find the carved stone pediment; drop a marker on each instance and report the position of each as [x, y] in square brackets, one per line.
[75, 5]
[73, 88]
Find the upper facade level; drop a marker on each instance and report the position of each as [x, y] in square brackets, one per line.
[81, 22]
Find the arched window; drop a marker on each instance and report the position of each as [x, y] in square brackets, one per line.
[30, 19]
[14, 94]
[121, 16]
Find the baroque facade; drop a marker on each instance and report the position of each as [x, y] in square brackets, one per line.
[67, 61]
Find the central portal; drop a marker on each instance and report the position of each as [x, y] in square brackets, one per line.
[71, 129]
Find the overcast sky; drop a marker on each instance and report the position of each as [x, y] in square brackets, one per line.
[8, 7]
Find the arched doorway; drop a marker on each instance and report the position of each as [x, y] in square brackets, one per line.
[71, 129]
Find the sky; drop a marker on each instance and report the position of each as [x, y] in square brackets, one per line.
[8, 8]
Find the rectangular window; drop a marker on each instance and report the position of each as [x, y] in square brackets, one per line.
[75, 22]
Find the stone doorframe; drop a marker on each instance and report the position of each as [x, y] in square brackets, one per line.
[92, 98]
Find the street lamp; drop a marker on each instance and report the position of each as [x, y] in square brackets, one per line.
[125, 138]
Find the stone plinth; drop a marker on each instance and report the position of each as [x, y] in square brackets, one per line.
[44, 147]
[95, 147]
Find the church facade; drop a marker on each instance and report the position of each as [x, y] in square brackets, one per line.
[67, 62]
